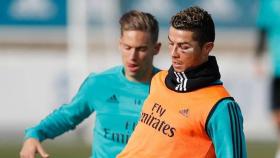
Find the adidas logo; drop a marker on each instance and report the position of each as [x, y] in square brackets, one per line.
[113, 99]
[184, 112]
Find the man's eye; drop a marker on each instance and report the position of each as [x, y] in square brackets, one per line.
[127, 48]
[184, 47]
[188, 50]
[142, 49]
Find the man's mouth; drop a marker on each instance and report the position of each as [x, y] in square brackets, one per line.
[176, 63]
[132, 67]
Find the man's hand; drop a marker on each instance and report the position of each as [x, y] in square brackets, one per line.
[30, 147]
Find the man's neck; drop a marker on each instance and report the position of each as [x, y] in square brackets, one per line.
[145, 77]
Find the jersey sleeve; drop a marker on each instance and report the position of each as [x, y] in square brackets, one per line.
[225, 128]
[63, 119]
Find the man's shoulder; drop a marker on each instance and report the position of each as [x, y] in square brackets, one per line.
[113, 70]
[103, 78]
[106, 73]
[161, 74]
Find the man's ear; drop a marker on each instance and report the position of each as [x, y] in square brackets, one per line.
[207, 48]
[157, 48]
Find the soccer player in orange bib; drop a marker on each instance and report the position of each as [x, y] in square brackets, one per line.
[189, 113]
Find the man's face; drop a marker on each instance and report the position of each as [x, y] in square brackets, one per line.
[137, 51]
[185, 51]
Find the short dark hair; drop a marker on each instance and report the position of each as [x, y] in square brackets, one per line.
[197, 20]
[137, 20]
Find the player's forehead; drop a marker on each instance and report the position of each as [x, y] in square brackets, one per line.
[135, 37]
[180, 36]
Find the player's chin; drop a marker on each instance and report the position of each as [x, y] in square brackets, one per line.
[178, 68]
[132, 73]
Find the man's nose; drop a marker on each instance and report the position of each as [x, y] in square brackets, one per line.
[174, 50]
[133, 54]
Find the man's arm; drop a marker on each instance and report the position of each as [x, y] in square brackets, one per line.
[66, 118]
[225, 128]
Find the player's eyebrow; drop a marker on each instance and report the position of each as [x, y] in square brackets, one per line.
[140, 46]
[179, 43]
